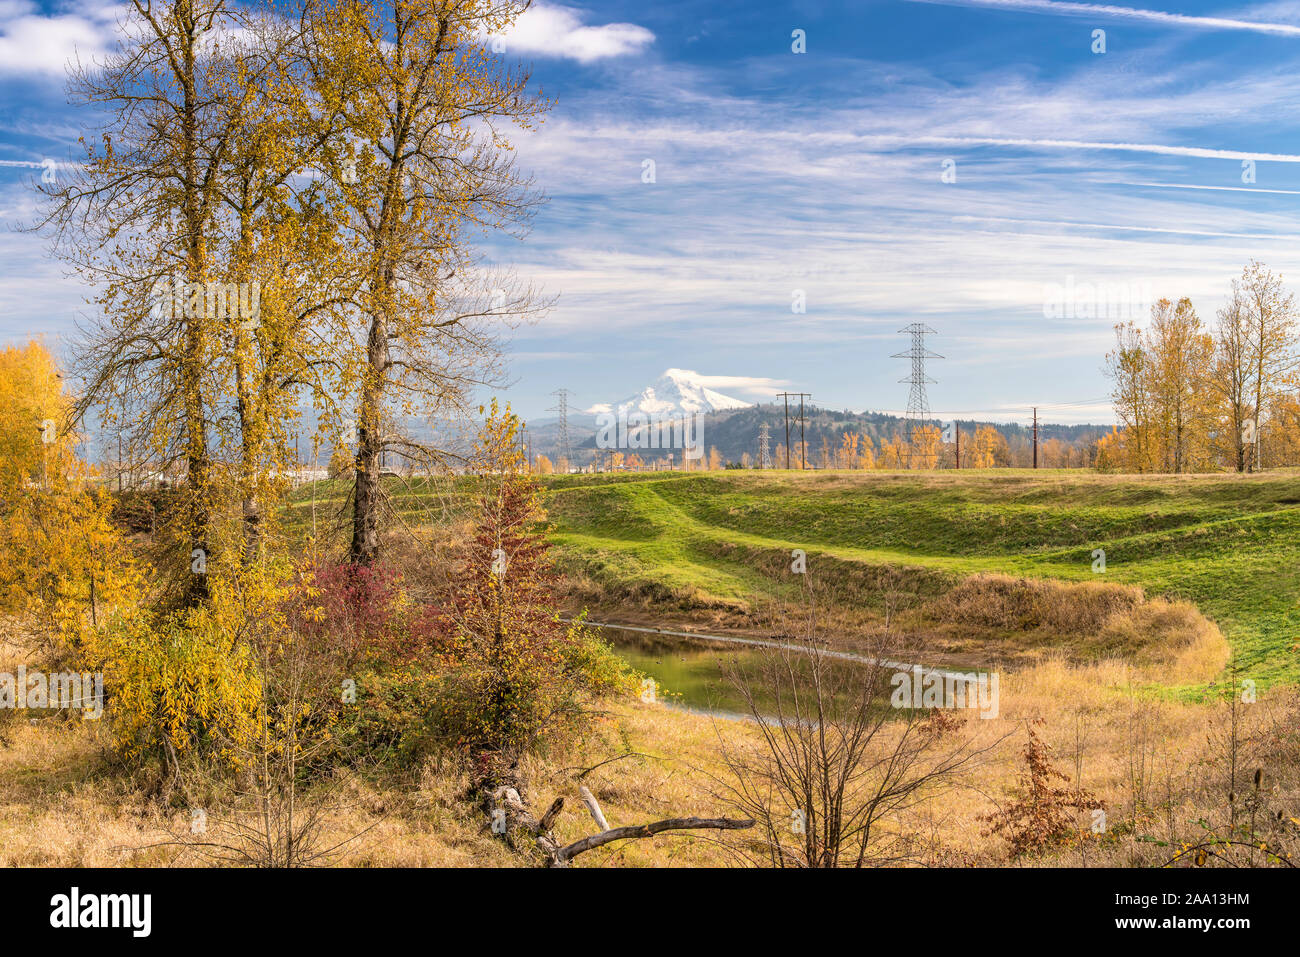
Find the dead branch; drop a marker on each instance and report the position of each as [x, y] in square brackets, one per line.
[518, 815]
[570, 851]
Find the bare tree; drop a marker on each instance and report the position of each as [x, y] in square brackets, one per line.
[835, 765]
[1230, 377]
[1128, 366]
[1271, 321]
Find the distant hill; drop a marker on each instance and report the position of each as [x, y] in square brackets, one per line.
[735, 432]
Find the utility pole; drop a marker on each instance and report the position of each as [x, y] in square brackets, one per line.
[1035, 436]
[786, 396]
[803, 452]
[956, 434]
[803, 445]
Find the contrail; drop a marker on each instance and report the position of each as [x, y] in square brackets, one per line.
[1136, 229]
[1065, 9]
[1228, 189]
[1199, 152]
[33, 164]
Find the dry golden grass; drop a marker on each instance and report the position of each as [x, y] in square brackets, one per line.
[1155, 761]
[1026, 620]
[1025, 604]
[63, 805]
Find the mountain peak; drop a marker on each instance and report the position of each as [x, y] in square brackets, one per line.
[677, 392]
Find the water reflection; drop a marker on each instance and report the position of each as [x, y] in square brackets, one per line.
[692, 672]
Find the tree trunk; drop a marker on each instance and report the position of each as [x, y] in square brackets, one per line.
[367, 493]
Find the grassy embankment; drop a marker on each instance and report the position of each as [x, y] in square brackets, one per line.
[701, 548]
[691, 544]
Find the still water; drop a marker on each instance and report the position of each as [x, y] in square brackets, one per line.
[692, 673]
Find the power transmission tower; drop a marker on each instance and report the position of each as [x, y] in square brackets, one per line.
[764, 448]
[562, 407]
[918, 403]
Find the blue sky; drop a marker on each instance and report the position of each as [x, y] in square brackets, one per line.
[823, 173]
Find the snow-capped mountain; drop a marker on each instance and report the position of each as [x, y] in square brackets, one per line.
[676, 392]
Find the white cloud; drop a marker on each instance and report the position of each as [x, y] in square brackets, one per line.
[743, 383]
[545, 30]
[33, 44]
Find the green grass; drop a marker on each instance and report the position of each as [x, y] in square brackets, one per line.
[1229, 544]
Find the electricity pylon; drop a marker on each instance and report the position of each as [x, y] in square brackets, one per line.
[562, 407]
[918, 403]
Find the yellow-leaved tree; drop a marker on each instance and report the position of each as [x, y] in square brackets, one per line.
[420, 105]
[989, 445]
[927, 442]
[63, 563]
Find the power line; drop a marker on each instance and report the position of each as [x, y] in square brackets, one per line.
[1007, 410]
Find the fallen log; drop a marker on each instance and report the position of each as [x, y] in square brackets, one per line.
[518, 815]
[570, 851]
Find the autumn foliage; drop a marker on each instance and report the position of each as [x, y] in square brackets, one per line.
[1192, 397]
[519, 672]
[1042, 813]
[63, 562]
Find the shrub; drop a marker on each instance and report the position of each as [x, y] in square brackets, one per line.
[396, 718]
[1042, 813]
[517, 675]
[182, 685]
[360, 615]
[1024, 604]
